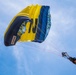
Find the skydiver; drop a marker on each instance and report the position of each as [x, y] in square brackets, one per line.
[72, 59]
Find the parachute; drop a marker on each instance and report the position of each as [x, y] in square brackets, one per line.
[31, 24]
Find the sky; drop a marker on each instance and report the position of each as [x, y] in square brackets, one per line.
[31, 58]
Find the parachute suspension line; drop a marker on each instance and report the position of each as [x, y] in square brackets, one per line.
[58, 50]
[42, 49]
[55, 49]
[59, 44]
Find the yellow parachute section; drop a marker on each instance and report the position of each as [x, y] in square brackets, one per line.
[33, 14]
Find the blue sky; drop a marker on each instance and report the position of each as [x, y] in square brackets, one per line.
[40, 59]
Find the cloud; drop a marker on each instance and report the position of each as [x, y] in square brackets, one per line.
[22, 64]
[13, 7]
[9, 7]
[62, 22]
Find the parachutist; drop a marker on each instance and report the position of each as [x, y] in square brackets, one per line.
[72, 59]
